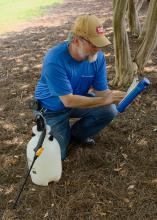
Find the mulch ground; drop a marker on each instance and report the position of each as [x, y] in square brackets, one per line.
[117, 178]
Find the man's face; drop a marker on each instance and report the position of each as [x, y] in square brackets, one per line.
[87, 50]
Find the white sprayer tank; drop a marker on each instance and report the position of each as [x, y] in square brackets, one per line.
[48, 166]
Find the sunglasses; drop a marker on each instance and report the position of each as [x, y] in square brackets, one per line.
[91, 45]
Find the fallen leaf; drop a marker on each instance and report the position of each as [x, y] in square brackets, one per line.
[125, 156]
[142, 142]
[123, 172]
[154, 181]
[118, 169]
[126, 200]
[131, 187]
[46, 215]
[33, 189]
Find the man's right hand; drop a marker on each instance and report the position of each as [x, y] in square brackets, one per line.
[117, 95]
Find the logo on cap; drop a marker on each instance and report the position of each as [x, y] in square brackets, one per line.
[100, 30]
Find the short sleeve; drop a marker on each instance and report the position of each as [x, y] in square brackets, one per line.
[100, 81]
[57, 80]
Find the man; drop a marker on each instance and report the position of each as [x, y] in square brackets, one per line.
[69, 70]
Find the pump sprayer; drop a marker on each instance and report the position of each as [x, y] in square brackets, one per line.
[44, 157]
[38, 151]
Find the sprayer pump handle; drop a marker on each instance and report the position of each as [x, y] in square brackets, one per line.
[40, 122]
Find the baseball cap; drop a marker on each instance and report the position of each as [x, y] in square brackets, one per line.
[90, 28]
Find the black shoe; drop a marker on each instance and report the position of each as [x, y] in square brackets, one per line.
[89, 141]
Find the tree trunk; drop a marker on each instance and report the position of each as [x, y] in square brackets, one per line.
[114, 3]
[146, 22]
[133, 19]
[124, 66]
[139, 4]
[149, 36]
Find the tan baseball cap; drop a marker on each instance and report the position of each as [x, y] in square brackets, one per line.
[90, 28]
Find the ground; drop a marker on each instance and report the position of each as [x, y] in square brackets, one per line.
[117, 178]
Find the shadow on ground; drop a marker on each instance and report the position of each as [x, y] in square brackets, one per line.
[114, 180]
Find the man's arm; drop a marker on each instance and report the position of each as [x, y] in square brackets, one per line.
[77, 101]
[102, 93]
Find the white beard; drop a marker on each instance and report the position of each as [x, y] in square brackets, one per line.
[90, 58]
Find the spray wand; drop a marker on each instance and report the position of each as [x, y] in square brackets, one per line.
[41, 126]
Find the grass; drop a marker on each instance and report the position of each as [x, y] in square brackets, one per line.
[13, 12]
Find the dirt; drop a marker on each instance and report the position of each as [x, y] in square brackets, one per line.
[117, 178]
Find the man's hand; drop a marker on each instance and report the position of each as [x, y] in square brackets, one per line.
[113, 96]
[117, 96]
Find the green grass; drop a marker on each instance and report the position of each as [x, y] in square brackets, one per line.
[13, 12]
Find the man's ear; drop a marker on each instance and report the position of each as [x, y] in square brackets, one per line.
[76, 41]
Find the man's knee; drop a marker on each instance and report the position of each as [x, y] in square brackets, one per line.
[107, 112]
[63, 141]
[112, 111]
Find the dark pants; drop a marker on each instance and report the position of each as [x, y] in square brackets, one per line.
[92, 120]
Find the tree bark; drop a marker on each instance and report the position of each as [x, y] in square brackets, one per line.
[133, 19]
[139, 4]
[125, 68]
[148, 37]
[146, 22]
[114, 2]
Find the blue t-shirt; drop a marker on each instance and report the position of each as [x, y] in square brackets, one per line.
[62, 75]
